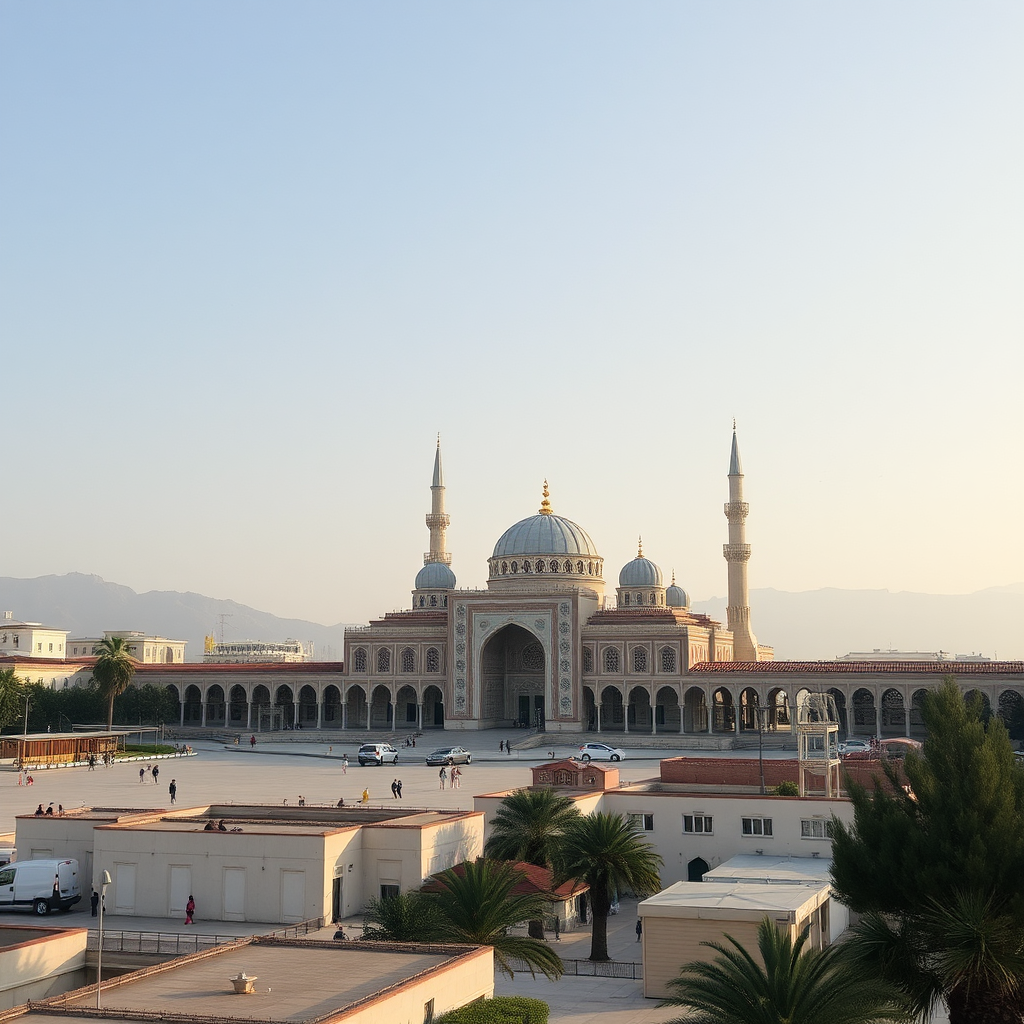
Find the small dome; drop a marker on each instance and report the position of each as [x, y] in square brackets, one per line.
[435, 576]
[676, 597]
[641, 572]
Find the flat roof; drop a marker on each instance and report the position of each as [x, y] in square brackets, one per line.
[733, 900]
[748, 867]
[294, 981]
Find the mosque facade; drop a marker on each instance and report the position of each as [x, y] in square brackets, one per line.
[541, 646]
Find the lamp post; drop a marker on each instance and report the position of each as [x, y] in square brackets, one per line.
[104, 882]
[760, 739]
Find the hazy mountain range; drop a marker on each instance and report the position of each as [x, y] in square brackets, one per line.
[808, 625]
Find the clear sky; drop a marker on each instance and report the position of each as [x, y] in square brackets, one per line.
[255, 255]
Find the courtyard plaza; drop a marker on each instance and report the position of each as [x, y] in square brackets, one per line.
[275, 772]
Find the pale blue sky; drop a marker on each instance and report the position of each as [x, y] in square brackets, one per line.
[253, 256]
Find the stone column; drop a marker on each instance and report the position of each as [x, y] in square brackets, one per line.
[597, 707]
[204, 713]
[367, 711]
[344, 714]
[625, 713]
[419, 716]
[654, 714]
[906, 717]
[320, 712]
[182, 714]
[878, 719]
[295, 711]
[248, 714]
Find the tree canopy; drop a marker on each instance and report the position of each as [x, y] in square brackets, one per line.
[529, 824]
[12, 696]
[938, 868]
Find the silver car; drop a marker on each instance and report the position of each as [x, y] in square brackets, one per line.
[449, 755]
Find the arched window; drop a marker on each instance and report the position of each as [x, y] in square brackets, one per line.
[359, 660]
[514, 566]
[579, 568]
[590, 568]
[625, 598]
[408, 660]
[668, 659]
[423, 601]
[639, 659]
[527, 566]
[504, 568]
[433, 600]
[588, 660]
[433, 660]
[639, 598]
[444, 600]
[611, 660]
[554, 565]
[540, 565]
[383, 660]
[567, 567]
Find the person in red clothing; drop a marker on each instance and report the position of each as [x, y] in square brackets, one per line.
[190, 909]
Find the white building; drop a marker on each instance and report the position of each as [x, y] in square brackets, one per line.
[248, 652]
[149, 650]
[30, 639]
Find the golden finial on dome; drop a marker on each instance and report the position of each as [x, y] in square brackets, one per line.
[545, 505]
[639, 547]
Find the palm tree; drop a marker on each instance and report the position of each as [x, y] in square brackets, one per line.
[11, 697]
[404, 917]
[527, 828]
[475, 903]
[960, 950]
[113, 670]
[605, 851]
[790, 985]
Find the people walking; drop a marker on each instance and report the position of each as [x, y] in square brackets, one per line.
[394, 789]
[344, 764]
[94, 901]
[142, 775]
[501, 746]
[639, 928]
[252, 741]
[173, 790]
[190, 909]
[442, 775]
[156, 773]
[399, 787]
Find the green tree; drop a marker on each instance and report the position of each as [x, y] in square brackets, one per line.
[789, 985]
[404, 917]
[938, 869]
[527, 827]
[12, 697]
[477, 904]
[113, 672]
[606, 852]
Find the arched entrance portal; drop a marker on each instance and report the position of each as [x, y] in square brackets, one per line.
[513, 679]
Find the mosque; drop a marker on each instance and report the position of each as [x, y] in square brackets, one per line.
[540, 647]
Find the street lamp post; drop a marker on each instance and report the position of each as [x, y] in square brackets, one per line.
[104, 882]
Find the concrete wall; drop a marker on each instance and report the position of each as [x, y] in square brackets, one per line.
[39, 962]
[745, 771]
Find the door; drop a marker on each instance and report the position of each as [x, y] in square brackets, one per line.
[234, 894]
[180, 888]
[538, 711]
[524, 711]
[293, 896]
[337, 903]
[124, 888]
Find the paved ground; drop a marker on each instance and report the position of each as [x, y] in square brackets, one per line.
[313, 770]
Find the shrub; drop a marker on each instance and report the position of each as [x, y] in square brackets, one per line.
[499, 1010]
[787, 788]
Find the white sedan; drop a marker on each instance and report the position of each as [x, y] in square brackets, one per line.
[601, 752]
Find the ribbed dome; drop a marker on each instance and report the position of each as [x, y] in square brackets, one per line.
[545, 535]
[435, 576]
[676, 597]
[641, 572]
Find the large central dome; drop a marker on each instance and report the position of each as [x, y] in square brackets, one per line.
[545, 545]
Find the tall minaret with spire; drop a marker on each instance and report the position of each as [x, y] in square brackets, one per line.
[737, 554]
[437, 518]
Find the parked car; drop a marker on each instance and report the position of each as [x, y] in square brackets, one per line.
[39, 885]
[377, 753]
[601, 752]
[848, 747]
[450, 755]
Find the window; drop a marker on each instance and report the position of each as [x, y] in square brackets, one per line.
[408, 660]
[51, 648]
[383, 660]
[757, 826]
[433, 660]
[815, 828]
[642, 822]
[698, 824]
[7, 876]
[387, 891]
[639, 659]
[625, 598]
[668, 659]
[588, 660]
[433, 600]
[428, 1012]
[611, 660]
[39, 646]
[359, 660]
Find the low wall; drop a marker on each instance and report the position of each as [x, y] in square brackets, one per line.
[745, 771]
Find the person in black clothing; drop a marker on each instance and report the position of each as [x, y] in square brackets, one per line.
[94, 900]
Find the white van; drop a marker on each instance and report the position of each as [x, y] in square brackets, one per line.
[39, 885]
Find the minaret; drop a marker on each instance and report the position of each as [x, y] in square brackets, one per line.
[437, 518]
[737, 554]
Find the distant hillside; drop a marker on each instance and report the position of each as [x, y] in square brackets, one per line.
[830, 623]
[87, 605]
[809, 625]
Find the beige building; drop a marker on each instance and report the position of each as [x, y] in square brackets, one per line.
[148, 650]
[25, 640]
[273, 864]
[293, 981]
[679, 919]
[39, 962]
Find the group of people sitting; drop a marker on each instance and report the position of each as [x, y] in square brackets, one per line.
[219, 826]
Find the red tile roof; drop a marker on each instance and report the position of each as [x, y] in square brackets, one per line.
[836, 668]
